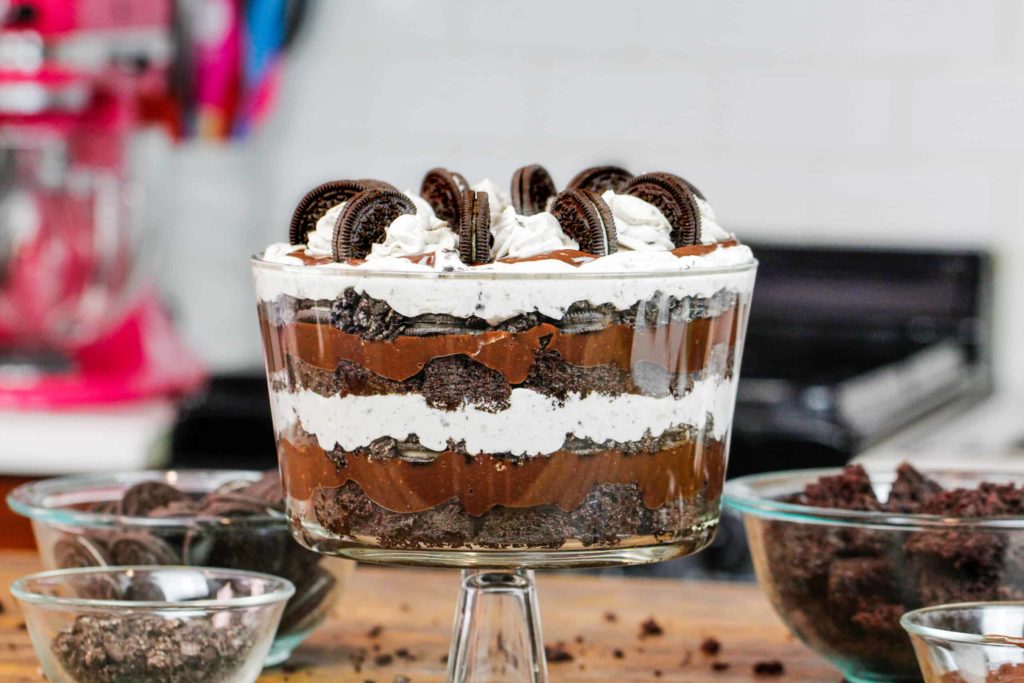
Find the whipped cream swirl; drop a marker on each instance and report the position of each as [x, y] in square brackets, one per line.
[639, 225]
[518, 236]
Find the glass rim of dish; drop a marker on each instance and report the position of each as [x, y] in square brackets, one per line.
[283, 590]
[475, 274]
[748, 495]
[30, 500]
[909, 623]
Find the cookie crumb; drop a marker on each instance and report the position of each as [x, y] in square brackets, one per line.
[611, 617]
[769, 668]
[375, 631]
[650, 628]
[618, 654]
[720, 666]
[711, 647]
[557, 653]
[383, 660]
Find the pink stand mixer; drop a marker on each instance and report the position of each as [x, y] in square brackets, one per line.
[85, 345]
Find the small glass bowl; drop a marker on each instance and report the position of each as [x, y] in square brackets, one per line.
[151, 623]
[68, 534]
[974, 642]
[841, 579]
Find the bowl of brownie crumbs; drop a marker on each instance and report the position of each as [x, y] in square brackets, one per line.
[842, 554]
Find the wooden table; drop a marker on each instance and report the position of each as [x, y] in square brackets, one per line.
[414, 610]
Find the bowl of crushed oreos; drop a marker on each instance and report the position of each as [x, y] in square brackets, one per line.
[232, 519]
[154, 623]
[843, 554]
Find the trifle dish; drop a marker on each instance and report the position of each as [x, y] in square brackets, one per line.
[470, 369]
[502, 382]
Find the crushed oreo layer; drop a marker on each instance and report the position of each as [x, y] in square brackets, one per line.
[374, 319]
[609, 513]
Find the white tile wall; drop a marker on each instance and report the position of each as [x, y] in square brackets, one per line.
[897, 122]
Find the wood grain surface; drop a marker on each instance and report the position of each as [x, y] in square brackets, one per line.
[413, 610]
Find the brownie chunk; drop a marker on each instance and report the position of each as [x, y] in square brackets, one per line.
[849, 490]
[910, 490]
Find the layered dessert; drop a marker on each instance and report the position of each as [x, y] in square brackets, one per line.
[466, 368]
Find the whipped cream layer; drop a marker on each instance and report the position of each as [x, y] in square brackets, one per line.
[533, 424]
[545, 286]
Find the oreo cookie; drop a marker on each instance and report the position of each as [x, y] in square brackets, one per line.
[586, 218]
[365, 220]
[675, 198]
[475, 228]
[80, 551]
[320, 199]
[532, 187]
[140, 547]
[443, 189]
[144, 497]
[600, 179]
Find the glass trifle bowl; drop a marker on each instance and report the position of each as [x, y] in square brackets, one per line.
[566, 411]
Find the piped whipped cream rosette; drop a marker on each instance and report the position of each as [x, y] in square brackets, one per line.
[473, 368]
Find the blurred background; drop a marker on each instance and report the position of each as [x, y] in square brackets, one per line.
[871, 151]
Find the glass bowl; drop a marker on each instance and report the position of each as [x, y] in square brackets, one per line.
[977, 642]
[71, 532]
[841, 579]
[92, 625]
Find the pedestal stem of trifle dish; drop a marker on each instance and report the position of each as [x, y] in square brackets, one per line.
[496, 636]
[500, 383]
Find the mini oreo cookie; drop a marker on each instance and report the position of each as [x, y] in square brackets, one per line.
[586, 218]
[146, 496]
[443, 191]
[80, 551]
[600, 179]
[365, 220]
[140, 547]
[675, 198]
[320, 199]
[532, 187]
[475, 228]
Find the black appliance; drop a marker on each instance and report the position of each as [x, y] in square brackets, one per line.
[847, 346]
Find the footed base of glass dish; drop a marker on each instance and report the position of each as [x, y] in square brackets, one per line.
[630, 551]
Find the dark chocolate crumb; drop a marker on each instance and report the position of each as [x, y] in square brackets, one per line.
[618, 654]
[375, 631]
[651, 628]
[771, 667]
[21, 626]
[658, 673]
[611, 617]
[720, 666]
[579, 640]
[403, 653]
[384, 659]
[557, 653]
[710, 647]
[2, 608]
[289, 667]
[444, 658]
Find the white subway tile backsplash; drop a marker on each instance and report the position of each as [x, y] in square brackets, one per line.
[806, 113]
[862, 32]
[906, 204]
[974, 114]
